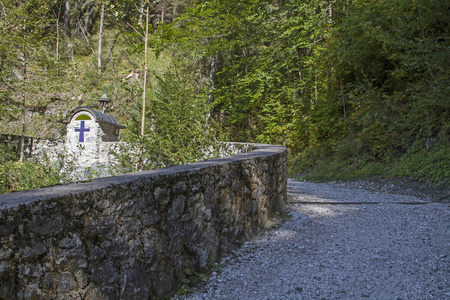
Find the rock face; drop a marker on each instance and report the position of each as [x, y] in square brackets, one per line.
[132, 236]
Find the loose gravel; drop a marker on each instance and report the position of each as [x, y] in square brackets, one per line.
[337, 241]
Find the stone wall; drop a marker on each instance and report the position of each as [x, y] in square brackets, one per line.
[33, 146]
[132, 236]
[87, 161]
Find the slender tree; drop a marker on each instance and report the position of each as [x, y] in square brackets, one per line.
[100, 39]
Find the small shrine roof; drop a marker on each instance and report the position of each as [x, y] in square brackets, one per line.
[98, 116]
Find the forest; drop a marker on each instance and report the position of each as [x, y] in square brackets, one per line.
[352, 88]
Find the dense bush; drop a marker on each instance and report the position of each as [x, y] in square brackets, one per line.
[16, 175]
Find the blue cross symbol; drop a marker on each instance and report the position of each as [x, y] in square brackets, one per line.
[81, 130]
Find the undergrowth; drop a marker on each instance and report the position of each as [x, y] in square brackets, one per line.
[426, 166]
[192, 279]
[16, 175]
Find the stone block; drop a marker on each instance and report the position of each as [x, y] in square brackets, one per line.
[179, 188]
[63, 282]
[161, 195]
[31, 270]
[32, 291]
[7, 227]
[102, 227]
[33, 251]
[103, 273]
[47, 225]
[151, 218]
[117, 248]
[178, 206]
[133, 284]
[3, 267]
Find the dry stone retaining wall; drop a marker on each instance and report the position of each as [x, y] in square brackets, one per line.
[33, 146]
[132, 236]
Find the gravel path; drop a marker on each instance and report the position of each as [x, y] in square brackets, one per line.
[370, 246]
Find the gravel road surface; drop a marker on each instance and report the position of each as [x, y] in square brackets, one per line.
[340, 242]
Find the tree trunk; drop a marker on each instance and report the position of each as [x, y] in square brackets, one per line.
[141, 12]
[100, 35]
[330, 13]
[212, 74]
[22, 137]
[72, 56]
[3, 11]
[145, 74]
[67, 17]
[57, 39]
[162, 11]
[24, 82]
[141, 150]
[89, 9]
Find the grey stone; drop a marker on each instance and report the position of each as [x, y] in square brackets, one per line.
[103, 273]
[35, 250]
[187, 216]
[7, 227]
[179, 188]
[176, 243]
[33, 292]
[63, 282]
[97, 254]
[71, 242]
[118, 248]
[194, 199]
[134, 285]
[234, 174]
[195, 188]
[223, 182]
[149, 252]
[51, 225]
[177, 206]
[249, 207]
[48, 281]
[31, 270]
[73, 258]
[161, 195]
[81, 278]
[3, 267]
[151, 218]
[103, 227]
[132, 225]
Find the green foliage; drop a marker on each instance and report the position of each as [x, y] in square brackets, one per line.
[192, 278]
[386, 59]
[30, 174]
[426, 166]
[178, 128]
[28, 66]
[181, 129]
[57, 50]
[7, 152]
[383, 93]
[351, 86]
